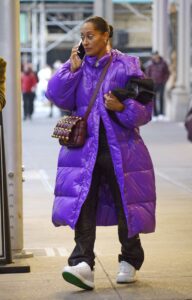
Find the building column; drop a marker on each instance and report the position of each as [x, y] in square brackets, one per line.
[181, 93]
[160, 28]
[10, 51]
[104, 8]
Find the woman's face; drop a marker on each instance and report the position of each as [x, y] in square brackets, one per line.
[94, 41]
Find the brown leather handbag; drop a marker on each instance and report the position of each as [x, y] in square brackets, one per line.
[72, 130]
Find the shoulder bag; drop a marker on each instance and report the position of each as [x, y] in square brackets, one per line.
[72, 130]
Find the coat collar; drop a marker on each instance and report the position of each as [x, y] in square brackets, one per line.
[94, 62]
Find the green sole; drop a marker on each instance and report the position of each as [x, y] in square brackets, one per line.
[75, 281]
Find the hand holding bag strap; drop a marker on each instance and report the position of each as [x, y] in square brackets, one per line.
[93, 98]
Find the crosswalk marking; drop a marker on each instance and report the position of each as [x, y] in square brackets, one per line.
[59, 251]
[50, 252]
[63, 252]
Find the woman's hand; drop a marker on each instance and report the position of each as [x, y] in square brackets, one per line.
[112, 103]
[75, 60]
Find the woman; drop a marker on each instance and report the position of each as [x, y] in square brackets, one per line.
[110, 180]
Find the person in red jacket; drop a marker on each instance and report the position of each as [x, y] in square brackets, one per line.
[28, 84]
[158, 70]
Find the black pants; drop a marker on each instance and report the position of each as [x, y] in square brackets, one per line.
[28, 107]
[159, 99]
[85, 230]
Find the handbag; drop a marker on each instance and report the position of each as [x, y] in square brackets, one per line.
[72, 130]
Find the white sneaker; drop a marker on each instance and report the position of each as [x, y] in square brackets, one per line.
[79, 275]
[127, 273]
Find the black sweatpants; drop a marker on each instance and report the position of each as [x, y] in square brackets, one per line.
[85, 230]
[28, 104]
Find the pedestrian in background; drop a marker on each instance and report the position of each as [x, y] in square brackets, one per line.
[44, 75]
[28, 85]
[56, 65]
[157, 69]
[2, 83]
[110, 179]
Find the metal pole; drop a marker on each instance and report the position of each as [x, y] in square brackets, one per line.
[35, 39]
[184, 36]
[5, 243]
[6, 265]
[42, 35]
[9, 49]
[104, 8]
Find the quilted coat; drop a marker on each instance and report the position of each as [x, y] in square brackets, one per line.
[131, 159]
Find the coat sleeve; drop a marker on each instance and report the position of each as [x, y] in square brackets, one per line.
[2, 83]
[134, 114]
[62, 86]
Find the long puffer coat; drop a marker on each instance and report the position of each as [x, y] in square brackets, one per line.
[132, 163]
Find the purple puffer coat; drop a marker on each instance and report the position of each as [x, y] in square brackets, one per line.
[132, 163]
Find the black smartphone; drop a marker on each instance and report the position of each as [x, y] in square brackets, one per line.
[81, 51]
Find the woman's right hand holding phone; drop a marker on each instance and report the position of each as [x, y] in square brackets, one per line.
[75, 60]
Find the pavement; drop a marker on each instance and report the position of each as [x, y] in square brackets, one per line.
[167, 271]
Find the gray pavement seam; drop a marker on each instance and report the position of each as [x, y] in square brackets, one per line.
[175, 182]
[45, 180]
[107, 275]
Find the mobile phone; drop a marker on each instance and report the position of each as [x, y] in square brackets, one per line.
[81, 51]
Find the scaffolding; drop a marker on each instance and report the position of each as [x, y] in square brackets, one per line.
[48, 25]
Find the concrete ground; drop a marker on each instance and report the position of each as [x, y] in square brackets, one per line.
[167, 271]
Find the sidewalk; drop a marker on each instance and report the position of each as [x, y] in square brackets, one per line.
[167, 271]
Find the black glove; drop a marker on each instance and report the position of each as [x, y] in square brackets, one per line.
[141, 90]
